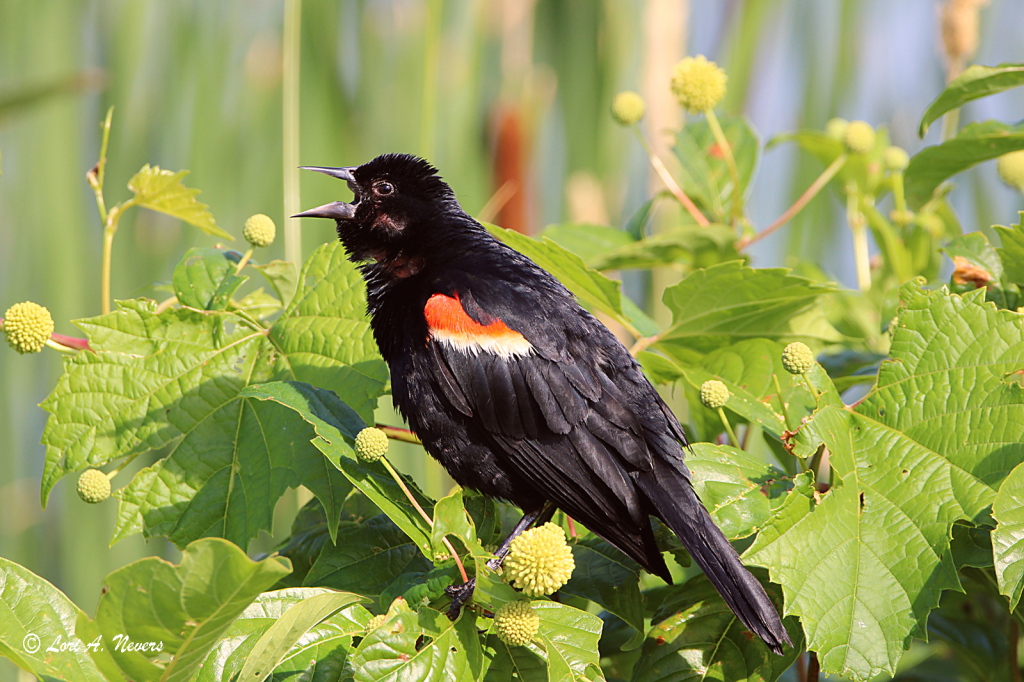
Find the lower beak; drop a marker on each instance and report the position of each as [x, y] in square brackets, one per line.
[337, 210]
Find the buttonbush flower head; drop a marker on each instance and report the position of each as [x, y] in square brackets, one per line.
[371, 444]
[859, 137]
[714, 394]
[376, 622]
[1011, 169]
[516, 622]
[797, 358]
[259, 230]
[539, 561]
[628, 108]
[836, 128]
[895, 158]
[698, 84]
[27, 327]
[93, 486]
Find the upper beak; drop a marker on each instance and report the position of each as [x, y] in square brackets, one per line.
[337, 210]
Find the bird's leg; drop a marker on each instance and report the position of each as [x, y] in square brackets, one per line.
[461, 594]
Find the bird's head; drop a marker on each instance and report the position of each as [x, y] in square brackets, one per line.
[398, 201]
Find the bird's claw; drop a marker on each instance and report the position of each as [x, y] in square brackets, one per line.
[460, 594]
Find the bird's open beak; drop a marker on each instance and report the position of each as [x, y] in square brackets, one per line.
[338, 210]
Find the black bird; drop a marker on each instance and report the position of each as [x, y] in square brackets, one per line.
[515, 389]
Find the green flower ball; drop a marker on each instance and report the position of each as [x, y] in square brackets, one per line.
[27, 327]
[797, 358]
[93, 486]
[698, 84]
[516, 622]
[371, 444]
[859, 137]
[259, 230]
[714, 394]
[628, 108]
[1011, 169]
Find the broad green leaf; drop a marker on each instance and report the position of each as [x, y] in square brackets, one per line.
[978, 252]
[974, 83]
[173, 380]
[520, 663]
[162, 190]
[1008, 537]
[705, 175]
[700, 638]
[36, 619]
[595, 292]
[975, 626]
[589, 242]
[452, 519]
[730, 302]
[569, 638]
[280, 639]
[686, 246]
[367, 558]
[1011, 253]
[196, 602]
[282, 276]
[205, 278]
[323, 651]
[390, 651]
[975, 143]
[609, 578]
[927, 447]
[336, 427]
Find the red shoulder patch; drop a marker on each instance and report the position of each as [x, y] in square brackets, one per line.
[449, 323]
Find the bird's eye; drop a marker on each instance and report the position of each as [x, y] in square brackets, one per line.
[384, 188]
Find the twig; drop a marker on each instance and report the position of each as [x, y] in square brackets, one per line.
[72, 342]
[798, 205]
[730, 162]
[858, 228]
[642, 343]
[497, 201]
[728, 428]
[398, 433]
[669, 181]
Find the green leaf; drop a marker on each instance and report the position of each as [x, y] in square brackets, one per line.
[367, 558]
[589, 242]
[173, 380]
[978, 252]
[36, 619]
[162, 190]
[451, 518]
[595, 292]
[205, 278]
[323, 651]
[280, 639]
[686, 246]
[863, 170]
[726, 303]
[336, 426]
[975, 143]
[390, 652]
[925, 448]
[607, 577]
[569, 638]
[518, 663]
[700, 638]
[1011, 253]
[282, 276]
[974, 83]
[196, 601]
[1008, 537]
[705, 175]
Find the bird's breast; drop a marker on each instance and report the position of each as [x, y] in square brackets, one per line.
[448, 323]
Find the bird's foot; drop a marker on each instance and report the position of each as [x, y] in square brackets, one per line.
[460, 594]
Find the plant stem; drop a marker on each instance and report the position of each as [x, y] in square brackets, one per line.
[642, 343]
[398, 433]
[860, 240]
[109, 230]
[669, 181]
[813, 667]
[60, 347]
[730, 162]
[426, 517]
[1014, 642]
[72, 342]
[165, 304]
[245, 259]
[290, 130]
[98, 172]
[728, 428]
[798, 205]
[810, 387]
[897, 191]
[778, 389]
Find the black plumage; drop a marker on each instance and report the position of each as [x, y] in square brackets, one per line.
[514, 388]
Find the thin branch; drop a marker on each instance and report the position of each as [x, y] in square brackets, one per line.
[398, 433]
[798, 205]
[670, 182]
[497, 201]
[642, 343]
[813, 667]
[730, 162]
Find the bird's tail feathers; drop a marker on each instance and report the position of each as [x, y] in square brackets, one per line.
[679, 507]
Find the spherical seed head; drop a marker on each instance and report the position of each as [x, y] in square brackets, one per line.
[93, 486]
[698, 84]
[836, 128]
[859, 137]
[371, 444]
[516, 622]
[797, 358]
[895, 158]
[539, 561]
[628, 108]
[714, 394]
[1011, 169]
[376, 622]
[259, 230]
[27, 327]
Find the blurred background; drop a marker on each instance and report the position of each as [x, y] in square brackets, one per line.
[509, 98]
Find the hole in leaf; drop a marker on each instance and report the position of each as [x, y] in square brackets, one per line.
[904, 472]
[1015, 378]
[863, 502]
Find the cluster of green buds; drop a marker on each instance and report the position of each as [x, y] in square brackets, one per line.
[516, 622]
[539, 561]
[259, 230]
[1011, 169]
[698, 84]
[371, 444]
[28, 327]
[797, 358]
[93, 486]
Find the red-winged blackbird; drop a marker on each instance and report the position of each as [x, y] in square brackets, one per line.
[515, 389]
